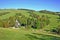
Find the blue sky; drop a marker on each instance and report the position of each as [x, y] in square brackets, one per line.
[52, 5]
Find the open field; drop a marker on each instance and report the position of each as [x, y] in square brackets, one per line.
[24, 34]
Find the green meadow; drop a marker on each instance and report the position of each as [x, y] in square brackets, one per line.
[34, 25]
[23, 34]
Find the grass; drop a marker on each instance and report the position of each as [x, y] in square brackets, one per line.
[28, 34]
[25, 34]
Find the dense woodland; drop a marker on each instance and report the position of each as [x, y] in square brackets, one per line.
[48, 20]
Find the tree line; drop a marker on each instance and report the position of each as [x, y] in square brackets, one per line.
[34, 21]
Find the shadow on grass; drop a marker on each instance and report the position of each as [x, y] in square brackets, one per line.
[41, 37]
[33, 37]
[48, 36]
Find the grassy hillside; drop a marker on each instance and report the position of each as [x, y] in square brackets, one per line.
[34, 25]
[23, 34]
[13, 12]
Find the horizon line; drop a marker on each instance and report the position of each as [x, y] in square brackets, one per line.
[30, 9]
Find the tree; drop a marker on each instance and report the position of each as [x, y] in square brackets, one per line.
[42, 21]
[1, 23]
[34, 23]
[22, 20]
[6, 24]
[28, 21]
[12, 21]
[58, 29]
